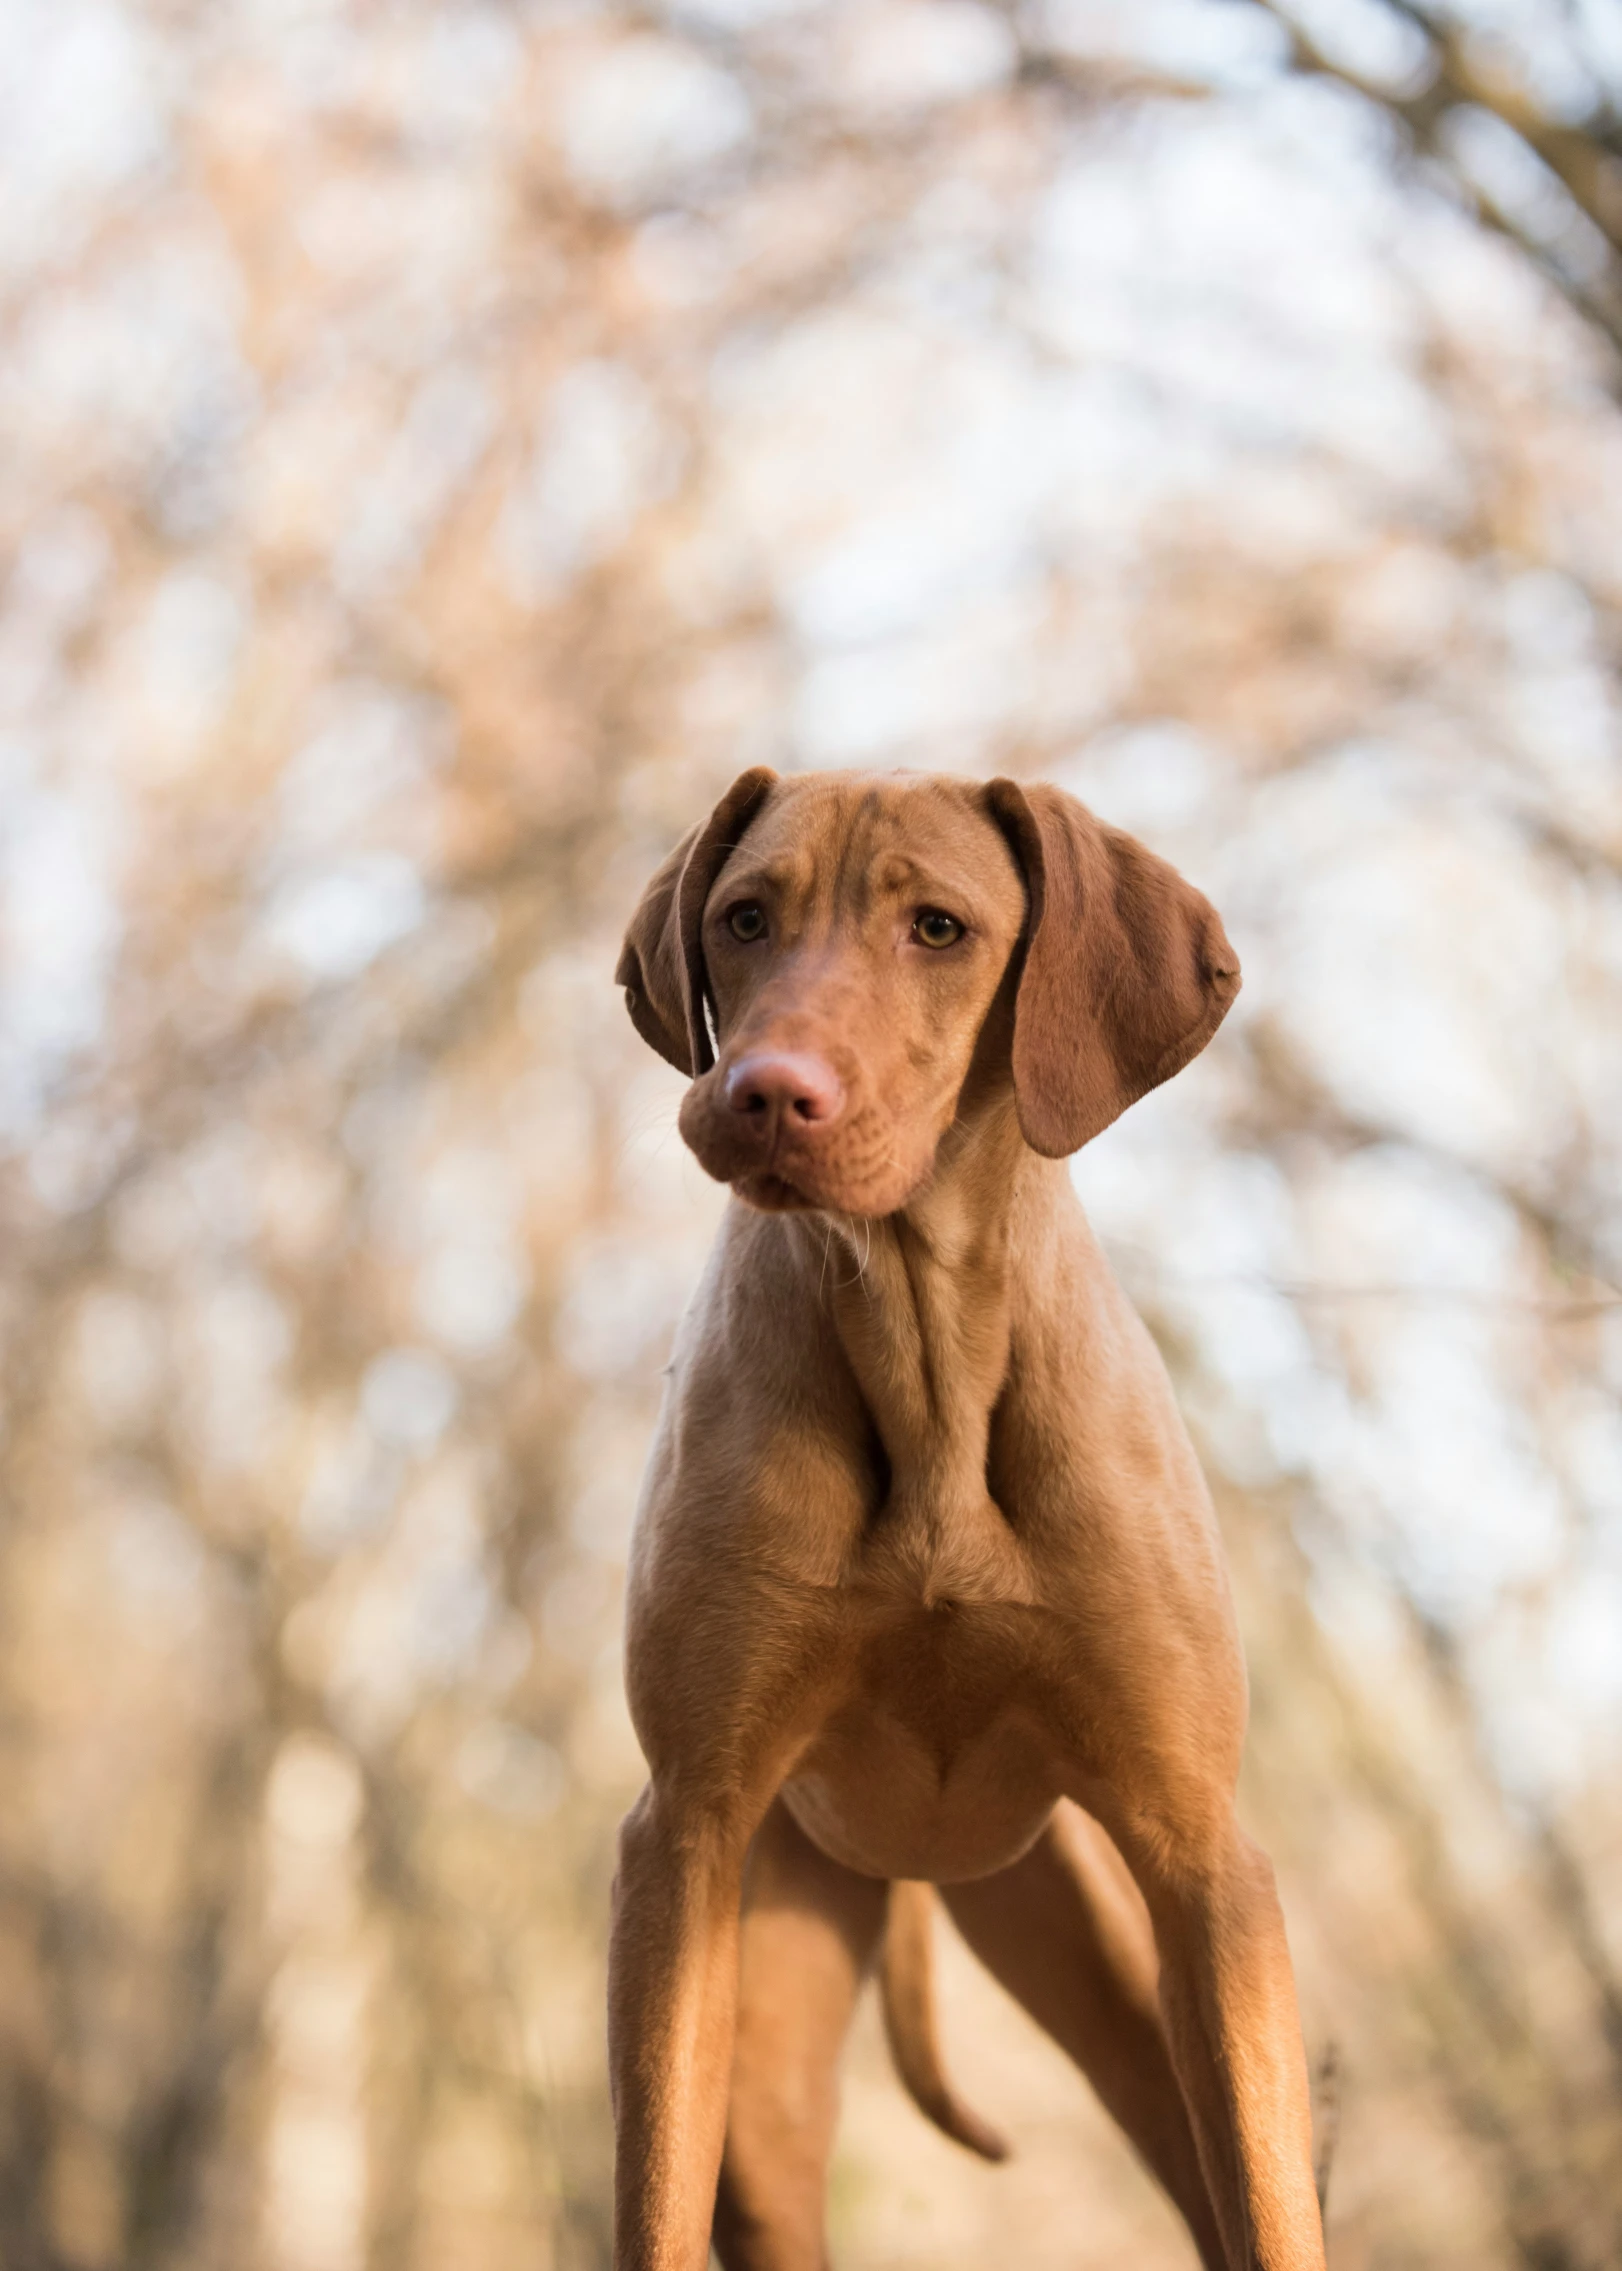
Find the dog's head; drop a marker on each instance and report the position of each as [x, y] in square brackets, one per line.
[876, 949]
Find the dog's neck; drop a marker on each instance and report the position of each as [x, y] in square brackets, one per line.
[921, 1302]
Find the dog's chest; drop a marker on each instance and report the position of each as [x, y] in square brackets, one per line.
[937, 1764]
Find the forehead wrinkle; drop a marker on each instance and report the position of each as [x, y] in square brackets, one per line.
[919, 843]
[899, 871]
[786, 872]
[833, 848]
[873, 822]
[787, 858]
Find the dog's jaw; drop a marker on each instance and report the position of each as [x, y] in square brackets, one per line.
[772, 1194]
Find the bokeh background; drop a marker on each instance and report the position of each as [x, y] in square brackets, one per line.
[443, 443]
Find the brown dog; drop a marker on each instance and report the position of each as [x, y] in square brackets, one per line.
[927, 1587]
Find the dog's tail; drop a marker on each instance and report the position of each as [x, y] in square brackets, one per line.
[907, 1993]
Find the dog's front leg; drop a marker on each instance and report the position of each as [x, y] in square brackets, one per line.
[1229, 2002]
[672, 2002]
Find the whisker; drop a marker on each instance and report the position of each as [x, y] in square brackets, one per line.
[867, 1256]
[855, 1250]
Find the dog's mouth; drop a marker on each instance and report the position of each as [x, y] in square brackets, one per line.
[772, 1194]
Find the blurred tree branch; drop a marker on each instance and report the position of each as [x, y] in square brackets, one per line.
[1581, 159]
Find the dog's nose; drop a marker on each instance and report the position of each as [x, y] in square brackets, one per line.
[775, 1089]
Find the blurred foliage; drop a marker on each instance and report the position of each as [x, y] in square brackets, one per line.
[442, 443]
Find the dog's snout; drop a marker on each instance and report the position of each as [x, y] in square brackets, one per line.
[775, 1088]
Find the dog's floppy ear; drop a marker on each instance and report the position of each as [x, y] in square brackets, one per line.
[1127, 971]
[661, 964]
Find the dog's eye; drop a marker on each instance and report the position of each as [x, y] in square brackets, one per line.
[933, 928]
[747, 921]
